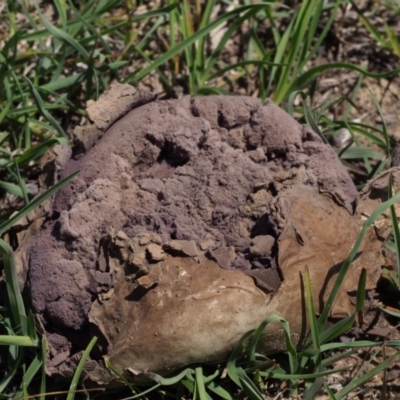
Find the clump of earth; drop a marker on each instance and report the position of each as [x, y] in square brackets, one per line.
[189, 223]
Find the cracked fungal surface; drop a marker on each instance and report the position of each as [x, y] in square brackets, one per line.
[183, 208]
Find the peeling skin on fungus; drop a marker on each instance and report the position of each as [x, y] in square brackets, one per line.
[181, 169]
[207, 181]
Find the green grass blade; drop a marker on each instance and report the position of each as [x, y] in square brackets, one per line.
[210, 378]
[3, 137]
[327, 26]
[345, 324]
[342, 273]
[329, 392]
[5, 226]
[13, 291]
[303, 80]
[248, 386]
[96, 35]
[396, 230]
[351, 101]
[361, 290]
[37, 151]
[173, 25]
[378, 168]
[389, 312]
[28, 376]
[312, 389]
[43, 111]
[155, 13]
[190, 56]
[201, 389]
[311, 312]
[297, 37]
[352, 153]
[162, 76]
[370, 27]
[137, 76]
[393, 343]
[343, 150]
[286, 330]
[12, 370]
[219, 391]
[366, 377]
[231, 365]
[63, 83]
[291, 99]
[311, 121]
[21, 184]
[141, 394]
[43, 375]
[394, 42]
[298, 377]
[63, 36]
[189, 385]
[167, 381]
[279, 59]
[113, 66]
[363, 129]
[120, 376]
[79, 368]
[240, 64]
[5, 110]
[312, 21]
[11, 188]
[62, 12]
[353, 345]
[384, 126]
[205, 21]
[16, 340]
[40, 129]
[329, 361]
[32, 109]
[222, 43]
[206, 91]
[337, 329]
